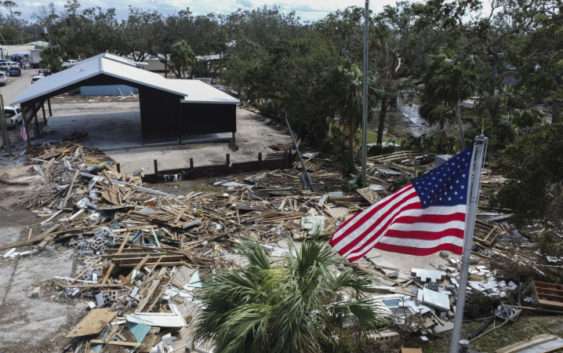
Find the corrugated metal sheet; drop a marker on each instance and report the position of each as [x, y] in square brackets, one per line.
[193, 91]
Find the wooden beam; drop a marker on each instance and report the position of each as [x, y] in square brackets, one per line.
[43, 113]
[116, 343]
[49, 106]
[36, 124]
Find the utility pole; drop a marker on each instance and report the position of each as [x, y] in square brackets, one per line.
[365, 97]
[5, 137]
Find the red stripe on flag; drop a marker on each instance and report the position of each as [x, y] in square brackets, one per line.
[367, 215]
[359, 238]
[422, 235]
[416, 251]
[432, 218]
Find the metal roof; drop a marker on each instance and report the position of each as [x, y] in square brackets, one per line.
[192, 91]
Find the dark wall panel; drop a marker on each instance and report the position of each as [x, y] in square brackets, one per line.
[205, 118]
[159, 114]
[163, 116]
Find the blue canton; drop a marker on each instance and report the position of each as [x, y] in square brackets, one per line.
[446, 185]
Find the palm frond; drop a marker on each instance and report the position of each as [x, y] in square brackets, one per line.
[255, 254]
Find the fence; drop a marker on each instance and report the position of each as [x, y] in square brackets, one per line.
[280, 160]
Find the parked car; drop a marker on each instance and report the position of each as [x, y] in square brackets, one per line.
[3, 78]
[13, 116]
[36, 78]
[14, 71]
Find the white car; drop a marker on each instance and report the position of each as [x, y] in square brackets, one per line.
[13, 116]
[36, 78]
[3, 78]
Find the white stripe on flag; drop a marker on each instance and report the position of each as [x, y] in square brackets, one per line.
[420, 243]
[373, 218]
[436, 210]
[405, 190]
[379, 228]
[427, 226]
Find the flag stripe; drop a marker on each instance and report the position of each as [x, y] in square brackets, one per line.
[429, 227]
[423, 217]
[437, 210]
[364, 216]
[408, 250]
[377, 223]
[455, 232]
[431, 218]
[373, 234]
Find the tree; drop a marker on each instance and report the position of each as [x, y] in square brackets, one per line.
[534, 166]
[11, 6]
[182, 59]
[51, 58]
[300, 306]
[143, 33]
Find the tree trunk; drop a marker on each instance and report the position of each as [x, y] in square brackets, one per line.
[555, 111]
[381, 122]
[459, 124]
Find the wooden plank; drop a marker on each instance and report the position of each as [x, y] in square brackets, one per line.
[117, 343]
[93, 323]
[108, 273]
[69, 191]
[523, 346]
[39, 238]
[147, 296]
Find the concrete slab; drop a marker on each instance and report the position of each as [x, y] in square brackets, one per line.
[32, 324]
[114, 127]
[404, 263]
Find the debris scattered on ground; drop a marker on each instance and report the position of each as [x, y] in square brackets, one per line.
[142, 252]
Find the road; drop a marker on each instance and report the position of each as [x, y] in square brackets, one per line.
[16, 85]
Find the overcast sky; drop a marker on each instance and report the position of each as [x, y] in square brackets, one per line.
[306, 9]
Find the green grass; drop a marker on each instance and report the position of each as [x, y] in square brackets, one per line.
[526, 327]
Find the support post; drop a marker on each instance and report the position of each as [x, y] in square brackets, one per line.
[228, 159]
[49, 106]
[43, 113]
[118, 167]
[307, 181]
[5, 137]
[259, 156]
[36, 123]
[477, 161]
[191, 163]
[365, 97]
[155, 164]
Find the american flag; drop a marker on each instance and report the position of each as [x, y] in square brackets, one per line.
[423, 217]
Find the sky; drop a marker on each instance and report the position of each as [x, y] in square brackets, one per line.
[308, 10]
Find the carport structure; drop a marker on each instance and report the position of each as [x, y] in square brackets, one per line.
[169, 108]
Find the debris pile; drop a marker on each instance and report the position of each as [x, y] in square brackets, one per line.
[142, 252]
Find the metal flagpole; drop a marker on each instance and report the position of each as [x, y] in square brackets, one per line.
[477, 161]
[365, 97]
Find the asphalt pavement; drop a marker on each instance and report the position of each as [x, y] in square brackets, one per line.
[16, 85]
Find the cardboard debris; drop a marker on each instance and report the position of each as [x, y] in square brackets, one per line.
[411, 350]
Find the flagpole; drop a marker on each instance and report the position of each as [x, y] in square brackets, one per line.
[477, 161]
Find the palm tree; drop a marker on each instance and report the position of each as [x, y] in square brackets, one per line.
[303, 305]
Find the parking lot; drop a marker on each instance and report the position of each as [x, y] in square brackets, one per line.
[16, 85]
